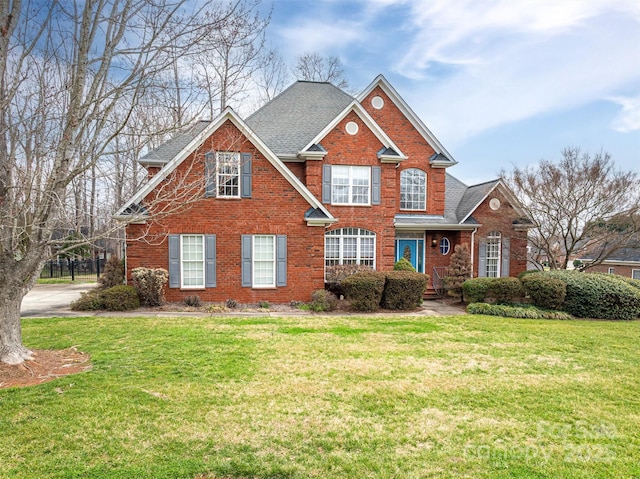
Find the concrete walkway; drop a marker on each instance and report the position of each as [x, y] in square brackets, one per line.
[53, 300]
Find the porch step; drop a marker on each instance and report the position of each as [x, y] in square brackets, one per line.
[431, 294]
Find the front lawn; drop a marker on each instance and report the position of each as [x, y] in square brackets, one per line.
[330, 397]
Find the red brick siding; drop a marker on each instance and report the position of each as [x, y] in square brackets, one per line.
[275, 208]
[501, 220]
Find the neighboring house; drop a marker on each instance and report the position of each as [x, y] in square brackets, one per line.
[624, 262]
[314, 179]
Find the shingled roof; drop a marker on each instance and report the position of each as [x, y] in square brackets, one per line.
[292, 119]
[169, 149]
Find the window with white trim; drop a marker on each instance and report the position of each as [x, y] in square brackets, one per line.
[635, 274]
[413, 189]
[264, 261]
[228, 174]
[611, 270]
[493, 254]
[350, 246]
[192, 261]
[445, 246]
[350, 185]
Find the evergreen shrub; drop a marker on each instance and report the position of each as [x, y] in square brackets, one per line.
[544, 292]
[404, 289]
[474, 290]
[505, 290]
[364, 290]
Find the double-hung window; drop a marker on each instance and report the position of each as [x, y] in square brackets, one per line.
[192, 261]
[413, 189]
[264, 261]
[493, 254]
[350, 185]
[228, 174]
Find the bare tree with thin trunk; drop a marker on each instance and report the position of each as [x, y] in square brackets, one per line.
[314, 67]
[65, 68]
[581, 203]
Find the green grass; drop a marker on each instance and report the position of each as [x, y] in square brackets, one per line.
[330, 397]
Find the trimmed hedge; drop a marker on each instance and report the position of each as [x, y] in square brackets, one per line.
[545, 292]
[597, 295]
[505, 290]
[529, 312]
[118, 298]
[475, 290]
[323, 300]
[364, 290]
[404, 289]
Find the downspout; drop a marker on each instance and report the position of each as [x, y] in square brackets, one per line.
[473, 249]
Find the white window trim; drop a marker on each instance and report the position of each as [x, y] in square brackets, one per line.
[637, 272]
[444, 240]
[182, 275]
[238, 159]
[341, 237]
[351, 168]
[424, 206]
[497, 235]
[253, 262]
[611, 270]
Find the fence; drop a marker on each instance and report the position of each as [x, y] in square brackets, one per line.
[79, 269]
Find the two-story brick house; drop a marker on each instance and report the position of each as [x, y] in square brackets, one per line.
[258, 209]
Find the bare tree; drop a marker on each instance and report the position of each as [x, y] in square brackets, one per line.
[577, 204]
[272, 75]
[65, 68]
[229, 55]
[314, 67]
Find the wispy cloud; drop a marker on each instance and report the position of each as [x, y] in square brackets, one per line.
[629, 118]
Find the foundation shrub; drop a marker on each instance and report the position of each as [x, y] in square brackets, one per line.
[597, 295]
[505, 290]
[364, 290]
[113, 274]
[150, 283]
[323, 300]
[544, 292]
[403, 264]
[403, 289]
[336, 274]
[88, 301]
[528, 311]
[475, 290]
[192, 301]
[120, 298]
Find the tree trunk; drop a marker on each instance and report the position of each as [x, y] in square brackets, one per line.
[12, 350]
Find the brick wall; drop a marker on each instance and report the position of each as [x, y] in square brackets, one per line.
[275, 208]
[619, 269]
[501, 220]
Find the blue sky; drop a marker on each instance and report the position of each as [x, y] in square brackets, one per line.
[500, 83]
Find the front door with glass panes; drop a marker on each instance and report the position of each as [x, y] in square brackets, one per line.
[413, 250]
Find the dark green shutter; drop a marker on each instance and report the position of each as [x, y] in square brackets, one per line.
[506, 257]
[174, 261]
[210, 174]
[482, 258]
[376, 173]
[210, 261]
[245, 168]
[326, 184]
[246, 256]
[281, 264]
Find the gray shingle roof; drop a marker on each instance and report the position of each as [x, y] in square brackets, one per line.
[472, 197]
[292, 119]
[623, 254]
[169, 149]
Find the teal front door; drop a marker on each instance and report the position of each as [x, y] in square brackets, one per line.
[412, 250]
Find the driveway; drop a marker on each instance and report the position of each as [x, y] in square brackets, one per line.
[46, 300]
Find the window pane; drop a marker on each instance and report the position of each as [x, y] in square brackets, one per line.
[228, 173]
[264, 260]
[192, 260]
[493, 254]
[350, 246]
[413, 189]
[350, 184]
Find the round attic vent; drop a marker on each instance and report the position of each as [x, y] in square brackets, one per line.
[352, 128]
[377, 102]
[494, 204]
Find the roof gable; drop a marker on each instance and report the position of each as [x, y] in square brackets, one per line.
[131, 210]
[442, 157]
[292, 119]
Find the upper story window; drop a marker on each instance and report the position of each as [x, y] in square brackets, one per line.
[350, 185]
[413, 189]
[228, 174]
[350, 246]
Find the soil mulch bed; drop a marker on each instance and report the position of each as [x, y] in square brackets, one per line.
[46, 366]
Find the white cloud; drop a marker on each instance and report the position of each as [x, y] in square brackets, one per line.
[509, 61]
[629, 118]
